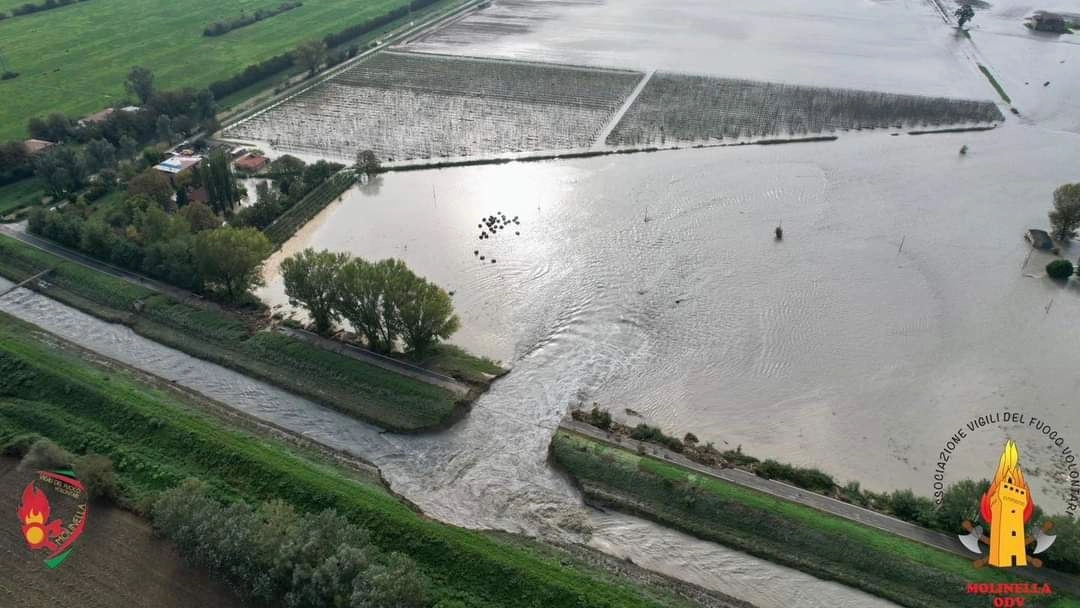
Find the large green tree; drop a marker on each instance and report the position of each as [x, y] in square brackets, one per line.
[367, 162]
[140, 83]
[311, 55]
[230, 259]
[311, 281]
[1065, 216]
[153, 185]
[63, 170]
[215, 174]
[363, 300]
[425, 313]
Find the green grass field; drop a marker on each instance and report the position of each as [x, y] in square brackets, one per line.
[22, 193]
[156, 438]
[384, 398]
[903, 571]
[74, 59]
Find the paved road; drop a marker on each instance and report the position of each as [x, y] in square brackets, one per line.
[372, 358]
[788, 492]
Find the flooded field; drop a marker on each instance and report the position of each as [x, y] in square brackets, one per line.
[407, 107]
[835, 347]
[681, 108]
[901, 47]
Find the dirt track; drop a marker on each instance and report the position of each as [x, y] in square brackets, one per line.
[116, 562]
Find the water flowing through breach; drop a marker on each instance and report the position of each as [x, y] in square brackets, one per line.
[490, 471]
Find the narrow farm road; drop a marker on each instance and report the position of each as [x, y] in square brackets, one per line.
[790, 493]
[617, 117]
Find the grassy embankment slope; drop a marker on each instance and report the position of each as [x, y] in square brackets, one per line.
[903, 571]
[369, 393]
[156, 438]
[74, 59]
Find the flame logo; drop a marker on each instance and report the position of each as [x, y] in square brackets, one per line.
[33, 513]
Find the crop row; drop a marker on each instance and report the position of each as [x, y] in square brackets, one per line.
[406, 107]
[680, 108]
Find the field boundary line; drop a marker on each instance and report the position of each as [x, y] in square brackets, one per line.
[617, 117]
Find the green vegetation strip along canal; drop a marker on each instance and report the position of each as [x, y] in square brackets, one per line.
[374, 395]
[903, 571]
[156, 439]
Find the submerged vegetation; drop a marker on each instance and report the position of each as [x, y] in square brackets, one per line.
[406, 106]
[680, 108]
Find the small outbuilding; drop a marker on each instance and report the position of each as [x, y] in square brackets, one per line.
[37, 146]
[178, 164]
[251, 163]
[1039, 239]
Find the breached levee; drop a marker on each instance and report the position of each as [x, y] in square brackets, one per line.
[406, 106]
[678, 108]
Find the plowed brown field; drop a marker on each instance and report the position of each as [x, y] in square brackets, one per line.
[117, 562]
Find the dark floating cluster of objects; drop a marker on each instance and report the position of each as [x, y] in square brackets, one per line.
[491, 225]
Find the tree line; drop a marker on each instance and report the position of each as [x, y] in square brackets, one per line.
[30, 8]
[271, 555]
[383, 301]
[219, 28]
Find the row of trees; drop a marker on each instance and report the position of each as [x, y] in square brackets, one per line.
[219, 28]
[383, 301]
[29, 8]
[273, 556]
[189, 247]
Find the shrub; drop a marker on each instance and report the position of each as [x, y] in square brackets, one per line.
[19, 445]
[1059, 269]
[809, 479]
[96, 473]
[644, 432]
[44, 454]
[916, 509]
[8, 75]
[600, 418]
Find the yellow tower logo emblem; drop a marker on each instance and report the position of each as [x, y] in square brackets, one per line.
[1007, 507]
